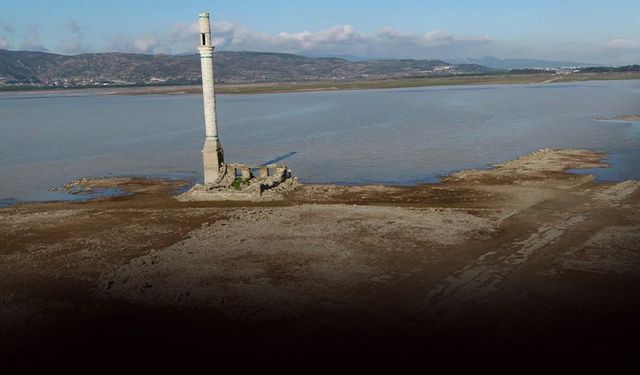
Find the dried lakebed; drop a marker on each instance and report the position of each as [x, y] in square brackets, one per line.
[519, 258]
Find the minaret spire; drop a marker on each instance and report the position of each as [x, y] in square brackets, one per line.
[212, 154]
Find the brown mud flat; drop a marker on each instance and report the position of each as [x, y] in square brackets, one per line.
[523, 264]
[621, 118]
[628, 118]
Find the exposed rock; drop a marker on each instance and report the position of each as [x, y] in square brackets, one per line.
[272, 183]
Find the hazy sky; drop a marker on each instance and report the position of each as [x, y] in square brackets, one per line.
[585, 31]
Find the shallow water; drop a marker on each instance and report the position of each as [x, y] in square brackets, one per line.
[399, 136]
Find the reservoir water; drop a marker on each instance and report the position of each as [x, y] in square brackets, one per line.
[397, 136]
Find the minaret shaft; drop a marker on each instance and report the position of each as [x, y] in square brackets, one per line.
[212, 152]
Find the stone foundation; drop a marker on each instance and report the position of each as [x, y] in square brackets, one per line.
[213, 159]
[238, 182]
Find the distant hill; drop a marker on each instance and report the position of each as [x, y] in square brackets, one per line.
[48, 69]
[496, 63]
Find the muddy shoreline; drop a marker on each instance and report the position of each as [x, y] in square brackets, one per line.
[283, 87]
[522, 263]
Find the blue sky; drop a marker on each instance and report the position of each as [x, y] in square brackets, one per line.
[586, 30]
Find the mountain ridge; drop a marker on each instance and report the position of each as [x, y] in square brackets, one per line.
[104, 68]
[520, 63]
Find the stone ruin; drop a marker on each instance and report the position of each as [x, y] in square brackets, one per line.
[244, 182]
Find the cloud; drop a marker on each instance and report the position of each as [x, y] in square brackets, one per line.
[339, 39]
[73, 27]
[74, 40]
[623, 43]
[6, 27]
[306, 40]
[32, 40]
[146, 43]
[182, 37]
[125, 43]
[343, 39]
[430, 39]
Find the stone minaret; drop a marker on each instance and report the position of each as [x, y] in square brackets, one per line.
[212, 154]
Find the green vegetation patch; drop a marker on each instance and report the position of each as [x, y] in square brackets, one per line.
[239, 182]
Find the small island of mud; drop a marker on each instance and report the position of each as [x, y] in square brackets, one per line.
[628, 118]
[522, 264]
[621, 118]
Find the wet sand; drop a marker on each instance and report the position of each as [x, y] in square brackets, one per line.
[523, 264]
